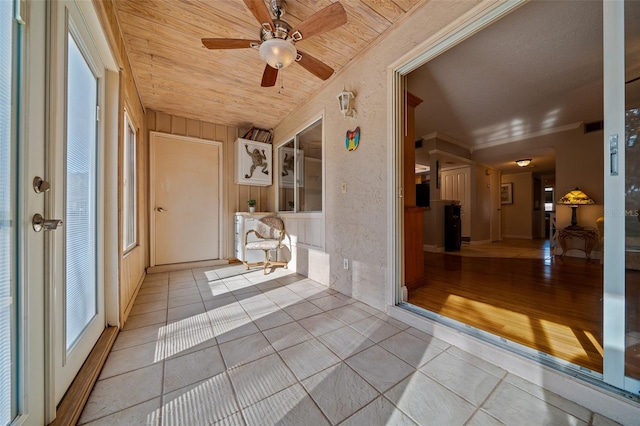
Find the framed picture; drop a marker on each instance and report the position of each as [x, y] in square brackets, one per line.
[506, 193]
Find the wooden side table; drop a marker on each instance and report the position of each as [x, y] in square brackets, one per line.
[578, 239]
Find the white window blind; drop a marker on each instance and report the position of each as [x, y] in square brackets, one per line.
[7, 216]
[81, 192]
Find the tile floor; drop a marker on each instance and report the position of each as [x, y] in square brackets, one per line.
[226, 346]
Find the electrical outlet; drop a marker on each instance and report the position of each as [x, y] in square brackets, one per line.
[345, 263]
[344, 191]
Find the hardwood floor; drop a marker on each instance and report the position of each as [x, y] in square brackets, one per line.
[552, 305]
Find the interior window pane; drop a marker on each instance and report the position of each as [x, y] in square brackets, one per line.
[309, 168]
[286, 161]
[80, 215]
[7, 218]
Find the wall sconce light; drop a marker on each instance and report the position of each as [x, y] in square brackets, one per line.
[344, 98]
[573, 199]
[524, 162]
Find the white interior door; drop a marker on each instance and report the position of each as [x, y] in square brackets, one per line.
[75, 164]
[186, 187]
[456, 186]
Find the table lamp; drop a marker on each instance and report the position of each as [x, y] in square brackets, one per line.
[573, 199]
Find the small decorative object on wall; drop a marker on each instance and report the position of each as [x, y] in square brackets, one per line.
[353, 139]
[252, 162]
[252, 206]
[506, 193]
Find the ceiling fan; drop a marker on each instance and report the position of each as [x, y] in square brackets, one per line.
[278, 38]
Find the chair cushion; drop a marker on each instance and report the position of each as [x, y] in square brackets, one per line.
[270, 227]
[262, 245]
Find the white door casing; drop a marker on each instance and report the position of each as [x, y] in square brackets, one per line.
[186, 184]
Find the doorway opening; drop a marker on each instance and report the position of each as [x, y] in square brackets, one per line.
[517, 124]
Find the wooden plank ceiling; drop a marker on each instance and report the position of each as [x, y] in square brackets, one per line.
[177, 75]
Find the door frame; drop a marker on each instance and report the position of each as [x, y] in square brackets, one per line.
[466, 26]
[479, 18]
[152, 199]
[614, 280]
[107, 262]
[32, 361]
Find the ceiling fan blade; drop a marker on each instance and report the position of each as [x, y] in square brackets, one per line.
[261, 12]
[269, 77]
[227, 43]
[322, 21]
[314, 66]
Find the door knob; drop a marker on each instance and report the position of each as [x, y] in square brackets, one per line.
[160, 209]
[40, 185]
[39, 223]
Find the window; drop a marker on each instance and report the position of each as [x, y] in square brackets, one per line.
[81, 181]
[129, 193]
[549, 203]
[9, 48]
[300, 171]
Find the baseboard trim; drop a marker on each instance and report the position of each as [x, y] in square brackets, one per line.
[72, 404]
[127, 310]
[186, 265]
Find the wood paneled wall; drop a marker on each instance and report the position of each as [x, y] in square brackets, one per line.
[131, 266]
[234, 197]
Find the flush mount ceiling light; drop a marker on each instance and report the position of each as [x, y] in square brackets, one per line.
[524, 162]
[421, 168]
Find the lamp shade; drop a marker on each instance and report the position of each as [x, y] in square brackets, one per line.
[575, 197]
[278, 53]
[524, 162]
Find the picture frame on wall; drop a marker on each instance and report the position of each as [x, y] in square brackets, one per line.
[506, 193]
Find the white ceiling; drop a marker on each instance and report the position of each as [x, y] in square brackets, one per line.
[537, 69]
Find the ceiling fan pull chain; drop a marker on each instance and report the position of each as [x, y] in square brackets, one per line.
[281, 82]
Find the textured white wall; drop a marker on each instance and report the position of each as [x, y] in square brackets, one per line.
[356, 221]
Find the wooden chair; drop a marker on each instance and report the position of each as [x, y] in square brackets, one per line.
[270, 233]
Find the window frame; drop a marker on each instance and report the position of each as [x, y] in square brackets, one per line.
[295, 139]
[129, 183]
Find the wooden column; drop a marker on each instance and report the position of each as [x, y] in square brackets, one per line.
[409, 191]
[413, 215]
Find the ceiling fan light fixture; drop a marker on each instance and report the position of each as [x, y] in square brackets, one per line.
[278, 53]
[523, 163]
